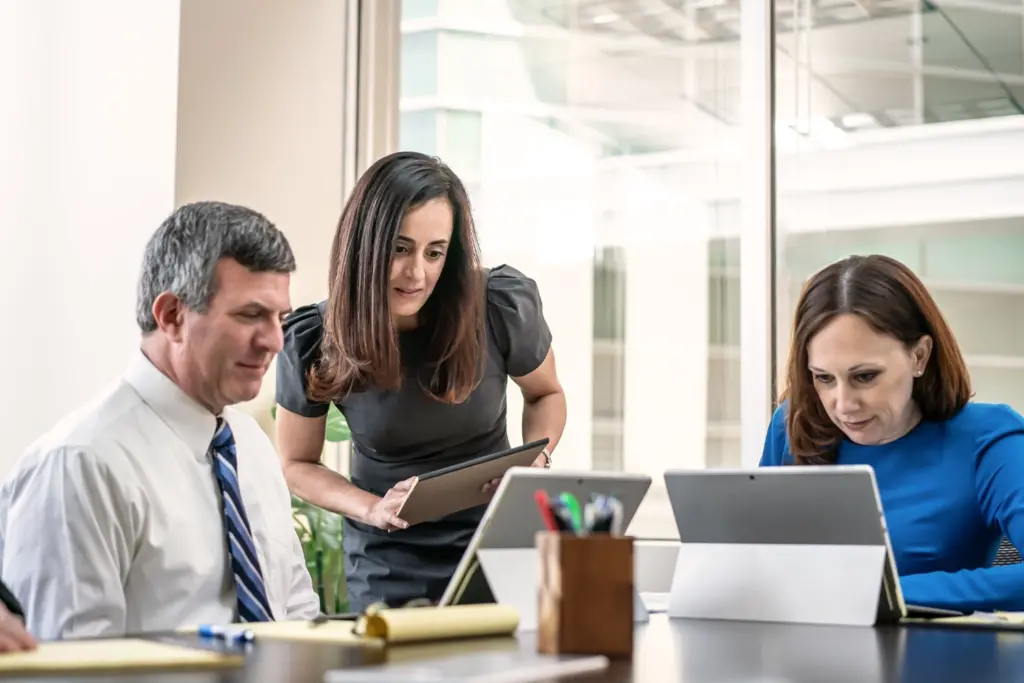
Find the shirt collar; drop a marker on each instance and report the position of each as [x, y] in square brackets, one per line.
[194, 424]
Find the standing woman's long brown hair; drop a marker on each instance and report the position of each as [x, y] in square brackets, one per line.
[360, 344]
[890, 298]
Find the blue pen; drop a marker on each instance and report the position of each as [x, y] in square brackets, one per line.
[231, 635]
[608, 514]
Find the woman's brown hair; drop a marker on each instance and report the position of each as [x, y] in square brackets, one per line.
[360, 344]
[893, 301]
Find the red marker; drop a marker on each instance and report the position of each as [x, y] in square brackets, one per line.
[544, 506]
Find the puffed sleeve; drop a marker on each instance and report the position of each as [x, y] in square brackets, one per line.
[516, 317]
[303, 330]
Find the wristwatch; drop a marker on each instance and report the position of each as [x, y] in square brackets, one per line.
[547, 458]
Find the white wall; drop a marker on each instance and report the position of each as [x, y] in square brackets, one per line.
[98, 144]
[87, 147]
[549, 236]
[260, 112]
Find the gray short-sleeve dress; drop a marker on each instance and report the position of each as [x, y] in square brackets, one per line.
[399, 434]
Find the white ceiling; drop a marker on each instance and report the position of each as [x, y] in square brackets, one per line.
[856, 63]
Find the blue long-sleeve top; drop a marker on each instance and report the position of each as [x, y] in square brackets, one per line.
[950, 491]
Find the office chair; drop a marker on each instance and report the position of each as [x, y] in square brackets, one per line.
[1007, 554]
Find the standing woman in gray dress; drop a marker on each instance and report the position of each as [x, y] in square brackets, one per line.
[415, 345]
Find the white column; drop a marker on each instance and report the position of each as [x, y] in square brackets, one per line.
[666, 366]
[757, 59]
[22, 218]
[260, 119]
[379, 57]
[87, 137]
[261, 111]
[567, 290]
[535, 212]
[916, 40]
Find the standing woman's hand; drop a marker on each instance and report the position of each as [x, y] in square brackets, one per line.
[543, 460]
[384, 513]
[13, 636]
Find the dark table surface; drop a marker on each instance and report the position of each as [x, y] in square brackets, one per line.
[681, 651]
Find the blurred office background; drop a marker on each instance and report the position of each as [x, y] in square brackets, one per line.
[607, 148]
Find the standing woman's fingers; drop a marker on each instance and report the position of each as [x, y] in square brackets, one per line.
[404, 485]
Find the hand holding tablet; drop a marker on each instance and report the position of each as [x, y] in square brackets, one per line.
[460, 487]
[384, 513]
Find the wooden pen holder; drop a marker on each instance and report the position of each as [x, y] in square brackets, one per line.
[586, 594]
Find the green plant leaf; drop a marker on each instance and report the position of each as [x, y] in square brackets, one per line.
[320, 534]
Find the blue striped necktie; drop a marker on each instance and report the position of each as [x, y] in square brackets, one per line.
[251, 593]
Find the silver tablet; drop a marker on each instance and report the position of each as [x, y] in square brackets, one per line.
[512, 519]
[459, 487]
[785, 505]
[812, 505]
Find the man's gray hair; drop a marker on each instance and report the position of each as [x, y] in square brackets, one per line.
[181, 255]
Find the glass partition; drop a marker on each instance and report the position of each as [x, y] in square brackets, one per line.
[898, 129]
[600, 143]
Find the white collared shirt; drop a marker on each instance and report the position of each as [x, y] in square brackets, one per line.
[111, 523]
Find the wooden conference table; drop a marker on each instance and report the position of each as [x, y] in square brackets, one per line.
[680, 651]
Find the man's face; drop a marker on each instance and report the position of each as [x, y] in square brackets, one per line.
[225, 351]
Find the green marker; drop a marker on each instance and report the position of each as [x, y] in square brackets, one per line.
[573, 505]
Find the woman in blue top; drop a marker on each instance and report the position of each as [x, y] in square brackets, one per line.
[875, 377]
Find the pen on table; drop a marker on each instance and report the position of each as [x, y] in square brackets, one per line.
[987, 616]
[231, 635]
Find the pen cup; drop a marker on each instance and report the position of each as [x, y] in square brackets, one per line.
[585, 600]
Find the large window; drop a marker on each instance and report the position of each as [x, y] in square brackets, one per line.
[899, 131]
[599, 142]
[606, 144]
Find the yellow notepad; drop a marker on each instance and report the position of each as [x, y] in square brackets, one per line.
[413, 652]
[400, 625]
[1010, 621]
[420, 624]
[327, 632]
[307, 631]
[111, 655]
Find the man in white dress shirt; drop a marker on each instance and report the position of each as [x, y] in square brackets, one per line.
[156, 505]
